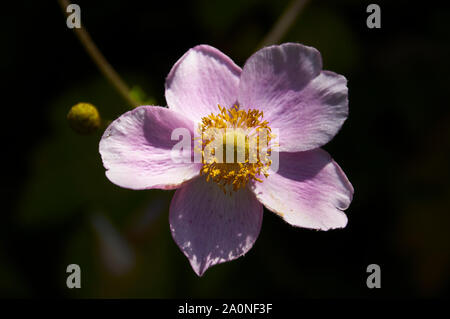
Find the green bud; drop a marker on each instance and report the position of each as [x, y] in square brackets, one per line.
[84, 118]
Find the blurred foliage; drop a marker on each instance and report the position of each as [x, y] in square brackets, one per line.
[139, 95]
[68, 169]
[341, 54]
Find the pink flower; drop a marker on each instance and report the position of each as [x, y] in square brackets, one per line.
[287, 89]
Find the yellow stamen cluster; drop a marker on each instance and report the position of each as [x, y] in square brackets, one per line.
[234, 122]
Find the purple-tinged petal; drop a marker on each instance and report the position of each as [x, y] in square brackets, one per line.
[287, 83]
[201, 79]
[211, 227]
[136, 149]
[309, 190]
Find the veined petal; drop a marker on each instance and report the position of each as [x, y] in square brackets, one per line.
[211, 227]
[309, 190]
[136, 149]
[306, 104]
[201, 79]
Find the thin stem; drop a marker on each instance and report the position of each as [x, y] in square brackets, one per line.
[284, 23]
[98, 58]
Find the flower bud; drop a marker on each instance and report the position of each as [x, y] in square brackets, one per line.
[84, 118]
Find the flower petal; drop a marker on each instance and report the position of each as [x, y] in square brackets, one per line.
[211, 227]
[136, 149]
[203, 78]
[287, 83]
[309, 190]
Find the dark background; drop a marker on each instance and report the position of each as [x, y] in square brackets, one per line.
[60, 209]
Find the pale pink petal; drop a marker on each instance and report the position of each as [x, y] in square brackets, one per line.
[287, 83]
[203, 78]
[309, 190]
[211, 227]
[136, 149]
